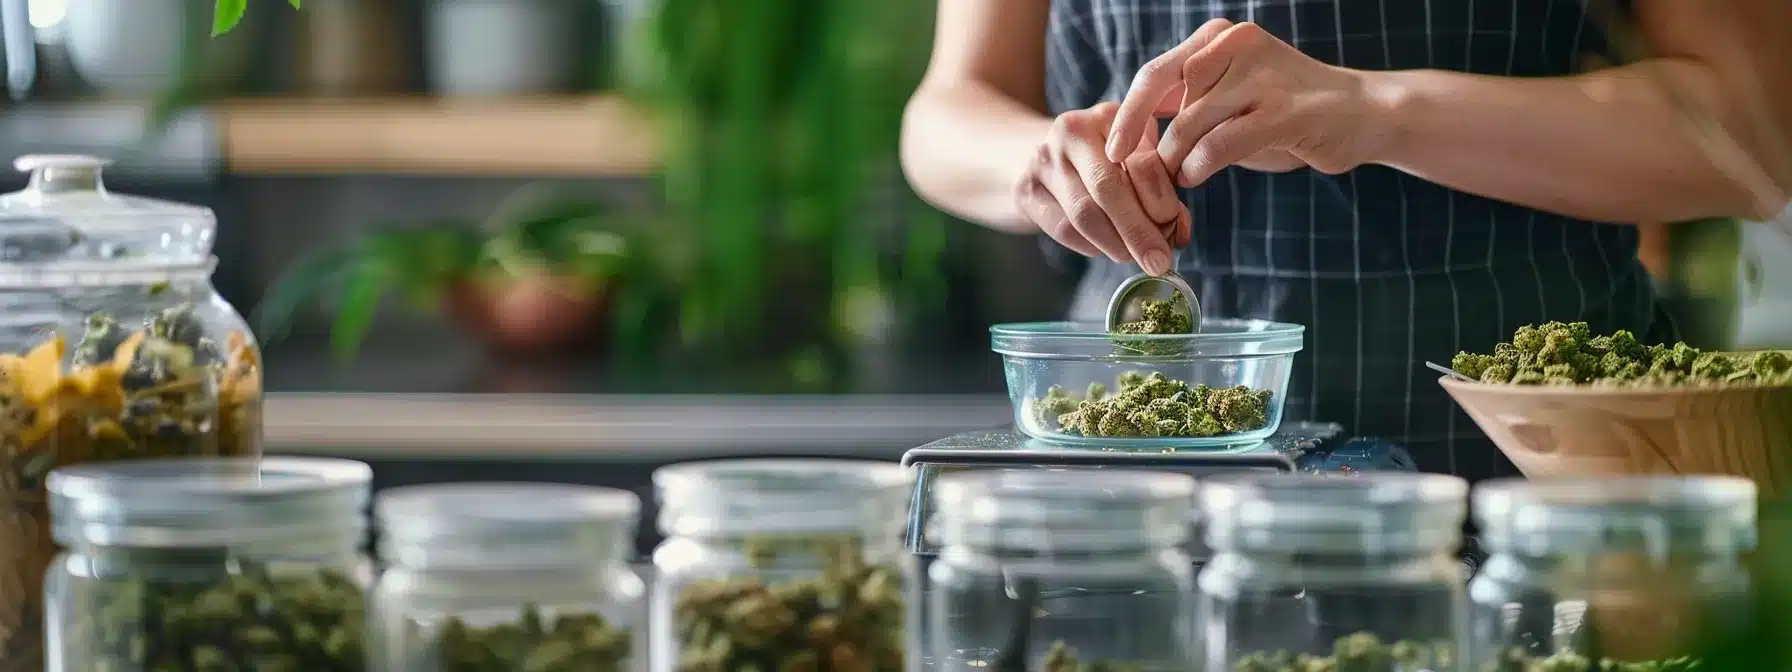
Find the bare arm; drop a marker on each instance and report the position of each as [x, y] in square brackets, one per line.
[974, 124]
[1612, 145]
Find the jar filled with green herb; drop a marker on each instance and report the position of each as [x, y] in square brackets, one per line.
[208, 565]
[1313, 572]
[1062, 570]
[780, 564]
[1610, 574]
[507, 577]
[113, 345]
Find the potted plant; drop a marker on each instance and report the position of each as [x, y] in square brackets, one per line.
[538, 277]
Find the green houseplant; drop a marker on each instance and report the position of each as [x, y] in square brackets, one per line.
[537, 277]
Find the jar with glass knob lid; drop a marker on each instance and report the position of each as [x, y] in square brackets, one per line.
[780, 564]
[207, 565]
[1062, 571]
[1367, 562]
[507, 576]
[113, 345]
[1609, 574]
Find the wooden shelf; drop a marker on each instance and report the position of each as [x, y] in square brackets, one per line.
[588, 135]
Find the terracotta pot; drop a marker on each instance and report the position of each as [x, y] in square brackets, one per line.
[531, 316]
[1565, 431]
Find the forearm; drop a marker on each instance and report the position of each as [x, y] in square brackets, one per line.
[1610, 145]
[965, 145]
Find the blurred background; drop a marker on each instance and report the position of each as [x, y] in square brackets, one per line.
[576, 239]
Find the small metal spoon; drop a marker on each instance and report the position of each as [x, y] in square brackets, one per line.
[1434, 366]
[1146, 286]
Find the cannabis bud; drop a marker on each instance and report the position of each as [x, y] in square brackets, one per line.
[1153, 406]
[1568, 354]
[1061, 658]
[1516, 659]
[1157, 317]
[575, 642]
[242, 621]
[848, 617]
[1357, 652]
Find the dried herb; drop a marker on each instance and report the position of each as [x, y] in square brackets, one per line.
[1061, 658]
[846, 617]
[1358, 652]
[1516, 659]
[1156, 317]
[247, 620]
[160, 390]
[1568, 354]
[1154, 406]
[575, 642]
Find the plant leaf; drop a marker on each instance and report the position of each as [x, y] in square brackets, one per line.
[360, 300]
[302, 281]
[227, 13]
[295, 4]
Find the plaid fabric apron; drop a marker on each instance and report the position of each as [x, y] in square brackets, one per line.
[1385, 270]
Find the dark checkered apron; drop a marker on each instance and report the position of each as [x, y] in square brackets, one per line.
[1385, 270]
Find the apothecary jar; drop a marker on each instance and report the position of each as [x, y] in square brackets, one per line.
[1062, 570]
[778, 564]
[498, 577]
[113, 345]
[1369, 559]
[208, 564]
[1631, 569]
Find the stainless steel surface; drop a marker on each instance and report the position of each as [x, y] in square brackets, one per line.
[580, 426]
[1146, 286]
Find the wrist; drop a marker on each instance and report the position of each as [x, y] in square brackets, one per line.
[1392, 105]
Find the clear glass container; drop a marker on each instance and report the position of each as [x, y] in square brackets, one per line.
[775, 564]
[1053, 368]
[507, 576]
[1632, 569]
[113, 344]
[1347, 572]
[1054, 569]
[208, 564]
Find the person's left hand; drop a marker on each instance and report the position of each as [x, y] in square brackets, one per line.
[1248, 98]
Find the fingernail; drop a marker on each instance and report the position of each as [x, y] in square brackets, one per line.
[1157, 262]
[1114, 149]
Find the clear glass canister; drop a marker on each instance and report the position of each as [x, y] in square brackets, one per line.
[113, 345]
[1629, 569]
[780, 564]
[1318, 572]
[499, 577]
[207, 565]
[1062, 571]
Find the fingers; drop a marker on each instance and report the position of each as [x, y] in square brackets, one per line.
[1198, 118]
[1156, 82]
[1156, 189]
[1039, 205]
[1112, 189]
[1232, 141]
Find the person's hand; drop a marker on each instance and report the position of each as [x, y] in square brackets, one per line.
[1125, 208]
[1240, 96]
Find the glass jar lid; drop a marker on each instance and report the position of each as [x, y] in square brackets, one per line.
[1091, 340]
[771, 496]
[66, 215]
[1371, 513]
[1655, 515]
[207, 502]
[510, 525]
[1049, 510]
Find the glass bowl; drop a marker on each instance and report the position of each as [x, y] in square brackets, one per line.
[1040, 356]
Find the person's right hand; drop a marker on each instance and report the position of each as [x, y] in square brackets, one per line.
[1129, 211]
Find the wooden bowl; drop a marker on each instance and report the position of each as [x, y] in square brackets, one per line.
[1584, 431]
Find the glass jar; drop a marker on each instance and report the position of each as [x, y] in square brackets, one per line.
[1623, 568]
[208, 564]
[776, 564]
[1062, 570]
[507, 576]
[1346, 572]
[113, 345]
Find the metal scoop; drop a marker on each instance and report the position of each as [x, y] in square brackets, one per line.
[1123, 306]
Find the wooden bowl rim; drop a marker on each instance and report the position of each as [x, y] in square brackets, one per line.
[1452, 384]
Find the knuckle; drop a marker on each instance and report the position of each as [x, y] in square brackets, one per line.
[1245, 36]
[1215, 24]
[1084, 211]
[1143, 164]
[1106, 179]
